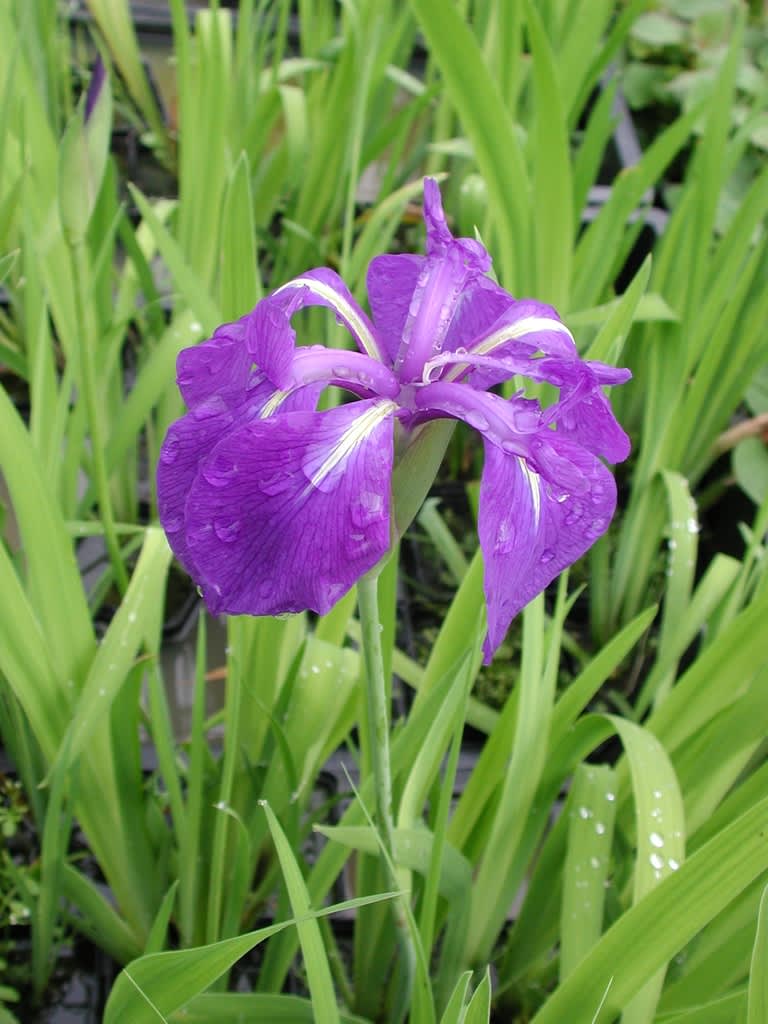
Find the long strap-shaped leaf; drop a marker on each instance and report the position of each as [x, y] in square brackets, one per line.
[649, 935]
[488, 125]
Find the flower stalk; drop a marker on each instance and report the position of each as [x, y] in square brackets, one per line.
[379, 756]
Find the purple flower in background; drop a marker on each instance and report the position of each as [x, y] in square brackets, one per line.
[273, 507]
[98, 77]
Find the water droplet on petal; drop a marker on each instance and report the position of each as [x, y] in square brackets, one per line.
[172, 524]
[575, 512]
[170, 450]
[546, 556]
[368, 508]
[227, 529]
[214, 406]
[505, 538]
[595, 528]
[274, 483]
[220, 471]
[357, 544]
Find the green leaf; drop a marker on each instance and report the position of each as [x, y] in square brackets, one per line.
[552, 185]
[454, 1010]
[489, 126]
[240, 287]
[186, 280]
[97, 918]
[656, 29]
[609, 343]
[415, 471]
[315, 958]
[660, 823]
[159, 932]
[647, 936]
[682, 542]
[581, 691]
[757, 392]
[133, 623]
[730, 1008]
[164, 982]
[240, 1007]
[413, 849]
[61, 609]
[479, 1009]
[82, 162]
[155, 985]
[116, 23]
[750, 467]
[757, 998]
[591, 814]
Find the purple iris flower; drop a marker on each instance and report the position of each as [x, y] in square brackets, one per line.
[274, 507]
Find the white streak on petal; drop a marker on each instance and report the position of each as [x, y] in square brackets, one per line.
[342, 307]
[273, 404]
[519, 329]
[534, 482]
[354, 435]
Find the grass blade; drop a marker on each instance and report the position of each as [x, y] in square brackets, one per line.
[315, 959]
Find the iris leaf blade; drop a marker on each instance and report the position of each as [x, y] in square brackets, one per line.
[488, 125]
[648, 935]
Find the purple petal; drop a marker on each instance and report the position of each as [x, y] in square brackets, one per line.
[287, 513]
[354, 371]
[525, 321]
[269, 337]
[530, 531]
[585, 416]
[219, 366]
[440, 240]
[481, 305]
[323, 287]
[191, 439]
[513, 424]
[391, 282]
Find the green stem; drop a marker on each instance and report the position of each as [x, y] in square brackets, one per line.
[87, 334]
[379, 757]
[219, 875]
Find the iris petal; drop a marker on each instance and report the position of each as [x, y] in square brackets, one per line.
[287, 513]
[391, 282]
[323, 287]
[530, 531]
[219, 366]
[191, 439]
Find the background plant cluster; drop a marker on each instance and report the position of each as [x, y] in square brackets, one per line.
[588, 818]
